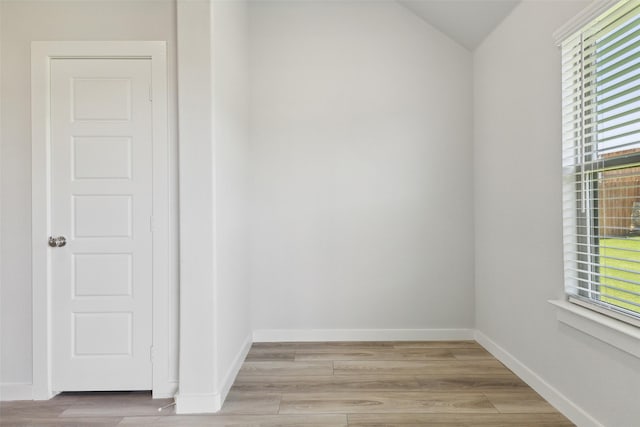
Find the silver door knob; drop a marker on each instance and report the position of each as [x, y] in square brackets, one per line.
[57, 242]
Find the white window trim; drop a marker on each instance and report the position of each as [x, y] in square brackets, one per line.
[591, 321]
[616, 333]
[613, 313]
[588, 14]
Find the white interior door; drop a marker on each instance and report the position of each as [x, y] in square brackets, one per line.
[101, 203]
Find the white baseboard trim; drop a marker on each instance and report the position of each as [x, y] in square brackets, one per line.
[18, 391]
[212, 402]
[288, 335]
[232, 373]
[561, 402]
[198, 403]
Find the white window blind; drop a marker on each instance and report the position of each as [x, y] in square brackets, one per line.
[601, 161]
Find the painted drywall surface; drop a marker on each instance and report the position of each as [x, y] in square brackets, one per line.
[231, 139]
[518, 222]
[214, 320]
[467, 22]
[197, 236]
[361, 169]
[22, 22]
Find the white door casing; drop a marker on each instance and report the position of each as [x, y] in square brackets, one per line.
[100, 302]
[101, 203]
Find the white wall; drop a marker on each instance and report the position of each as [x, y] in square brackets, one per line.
[361, 169]
[22, 22]
[215, 332]
[197, 237]
[231, 140]
[518, 218]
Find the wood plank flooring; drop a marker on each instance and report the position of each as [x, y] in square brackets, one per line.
[435, 383]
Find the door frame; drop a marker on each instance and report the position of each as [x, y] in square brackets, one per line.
[41, 55]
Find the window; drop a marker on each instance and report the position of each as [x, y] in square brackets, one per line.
[601, 163]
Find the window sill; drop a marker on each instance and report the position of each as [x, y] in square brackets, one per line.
[611, 331]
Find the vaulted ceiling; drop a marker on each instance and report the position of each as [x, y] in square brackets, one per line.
[468, 22]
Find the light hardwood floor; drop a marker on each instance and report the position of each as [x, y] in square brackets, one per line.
[436, 383]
